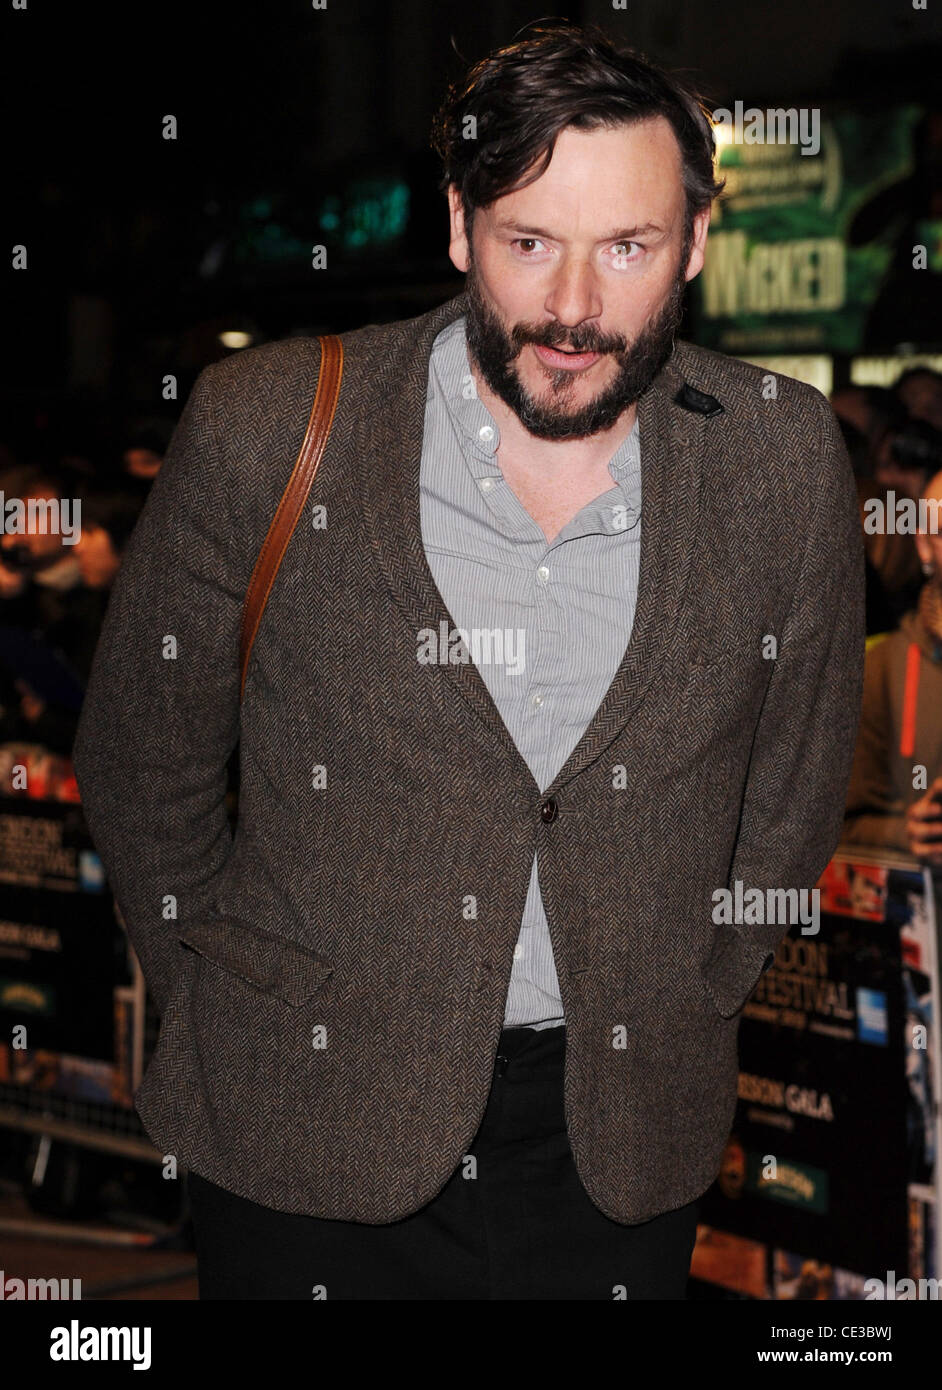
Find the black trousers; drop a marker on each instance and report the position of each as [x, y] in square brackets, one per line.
[522, 1228]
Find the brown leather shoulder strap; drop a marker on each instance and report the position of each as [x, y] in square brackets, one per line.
[295, 495]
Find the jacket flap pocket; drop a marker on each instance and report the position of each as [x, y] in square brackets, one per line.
[270, 963]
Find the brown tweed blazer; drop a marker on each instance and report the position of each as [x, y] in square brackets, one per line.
[330, 1016]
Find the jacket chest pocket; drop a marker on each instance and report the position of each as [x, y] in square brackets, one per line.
[269, 963]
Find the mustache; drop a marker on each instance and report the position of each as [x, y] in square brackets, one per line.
[560, 337]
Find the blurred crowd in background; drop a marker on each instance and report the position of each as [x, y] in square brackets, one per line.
[894, 439]
[55, 580]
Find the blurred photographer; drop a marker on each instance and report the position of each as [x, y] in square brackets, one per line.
[891, 803]
[896, 457]
[919, 392]
[49, 620]
[908, 453]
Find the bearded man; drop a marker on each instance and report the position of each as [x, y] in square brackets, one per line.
[573, 642]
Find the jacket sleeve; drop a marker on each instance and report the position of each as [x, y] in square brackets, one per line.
[161, 711]
[874, 814]
[803, 747]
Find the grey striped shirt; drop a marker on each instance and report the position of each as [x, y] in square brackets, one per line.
[564, 610]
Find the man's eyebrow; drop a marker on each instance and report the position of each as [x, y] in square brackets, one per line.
[506, 224]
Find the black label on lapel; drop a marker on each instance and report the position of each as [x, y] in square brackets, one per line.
[699, 401]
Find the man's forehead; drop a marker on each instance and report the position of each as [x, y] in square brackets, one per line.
[628, 140]
[644, 167]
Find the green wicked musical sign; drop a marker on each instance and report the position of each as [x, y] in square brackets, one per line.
[782, 271]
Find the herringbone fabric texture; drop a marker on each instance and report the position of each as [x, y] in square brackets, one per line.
[331, 1005]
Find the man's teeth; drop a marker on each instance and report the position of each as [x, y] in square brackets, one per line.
[570, 352]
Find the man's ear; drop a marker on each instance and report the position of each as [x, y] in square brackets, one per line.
[458, 249]
[701, 225]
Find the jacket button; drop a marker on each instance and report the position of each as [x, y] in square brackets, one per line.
[549, 810]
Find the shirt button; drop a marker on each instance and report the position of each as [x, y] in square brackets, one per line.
[549, 810]
[543, 573]
[487, 484]
[536, 700]
[486, 433]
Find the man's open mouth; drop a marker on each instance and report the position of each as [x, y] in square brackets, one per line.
[557, 356]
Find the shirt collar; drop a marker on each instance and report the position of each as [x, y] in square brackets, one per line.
[479, 431]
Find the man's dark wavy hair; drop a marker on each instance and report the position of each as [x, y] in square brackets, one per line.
[562, 75]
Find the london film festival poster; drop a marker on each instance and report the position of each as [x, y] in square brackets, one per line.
[815, 1198]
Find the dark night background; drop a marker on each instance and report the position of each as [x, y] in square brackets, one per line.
[298, 126]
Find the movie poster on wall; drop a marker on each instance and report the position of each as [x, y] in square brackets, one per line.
[832, 1166]
[68, 1002]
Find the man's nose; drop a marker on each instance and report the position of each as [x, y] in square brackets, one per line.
[575, 296]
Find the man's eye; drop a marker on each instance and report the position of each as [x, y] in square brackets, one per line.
[624, 250]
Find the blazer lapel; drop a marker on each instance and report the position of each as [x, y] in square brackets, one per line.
[392, 503]
[671, 451]
[672, 441]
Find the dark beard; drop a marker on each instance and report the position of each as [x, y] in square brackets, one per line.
[494, 352]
